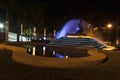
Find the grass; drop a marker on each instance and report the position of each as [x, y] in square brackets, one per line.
[11, 70]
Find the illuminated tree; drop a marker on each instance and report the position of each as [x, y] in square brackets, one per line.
[28, 32]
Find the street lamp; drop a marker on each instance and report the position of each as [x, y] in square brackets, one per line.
[117, 41]
[109, 26]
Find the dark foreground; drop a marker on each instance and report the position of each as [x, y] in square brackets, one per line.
[11, 70]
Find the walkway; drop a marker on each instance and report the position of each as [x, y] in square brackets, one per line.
[20, 55]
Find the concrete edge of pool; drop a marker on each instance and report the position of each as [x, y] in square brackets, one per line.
[20, 55]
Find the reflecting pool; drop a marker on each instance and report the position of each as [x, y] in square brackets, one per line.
[56, 52]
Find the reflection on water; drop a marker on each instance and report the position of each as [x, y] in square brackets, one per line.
[33, 52]
[44, 50]
[57, 53]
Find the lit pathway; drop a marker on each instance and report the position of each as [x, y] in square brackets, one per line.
[20, 55]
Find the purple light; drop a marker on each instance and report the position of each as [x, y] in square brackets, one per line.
[71, 26]
[59, 55]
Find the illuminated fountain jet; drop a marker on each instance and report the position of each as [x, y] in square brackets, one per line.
[73, 26]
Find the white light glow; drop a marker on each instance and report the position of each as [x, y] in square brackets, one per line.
[109, 48]
[29, 50]
[109, 25]
[53, 53]
[1, 25]
[79, 36]
[44, 50]
[44, 38]
[33, 51]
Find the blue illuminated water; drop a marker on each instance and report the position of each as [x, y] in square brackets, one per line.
[72, 26]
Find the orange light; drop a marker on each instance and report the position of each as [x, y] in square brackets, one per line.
[66, 57]
[109, 25]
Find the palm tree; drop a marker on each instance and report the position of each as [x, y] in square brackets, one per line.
[28, 32]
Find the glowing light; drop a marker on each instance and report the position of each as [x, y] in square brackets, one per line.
[29, 50]
[59, 55]
[33, 53]
[70, 27]
[96, 28]
[44, 48]
[44, 38]
[74, 36]
[1, 25]
[53, 53]
[109, 48]
[78, 29]
[54, 33]
[34, 31]
[66, 57]
[44, 34]
[109, 25]
[117, 41]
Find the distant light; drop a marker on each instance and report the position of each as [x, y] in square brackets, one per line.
[109, 48]
[59, 55]
[33, 51]
[109, 25]
[29, 50]
[53, 53]
[44, 38]
[66, 57]
[44, 48]
[78, 28]
[78, 36]
[1, 25]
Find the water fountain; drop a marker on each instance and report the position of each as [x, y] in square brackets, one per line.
[67, 36]
[75, 50]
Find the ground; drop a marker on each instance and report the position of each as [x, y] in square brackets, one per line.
[11, 70]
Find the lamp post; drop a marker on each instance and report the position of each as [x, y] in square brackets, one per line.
[6, 31]
[109, 26]
[44, 36]
[6, 27]
[34, 33]
[21, 32]
[117, 41]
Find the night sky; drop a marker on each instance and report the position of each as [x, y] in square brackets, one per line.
[57, 12]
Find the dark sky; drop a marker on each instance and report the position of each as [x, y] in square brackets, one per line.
[86, 9]
[56, 11]
[62, 6]
[105, 5]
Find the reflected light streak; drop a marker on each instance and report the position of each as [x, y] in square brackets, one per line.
[53, 53]
[44, 48]
[109, 48]
[59, 55]
[29, 50]
[33, 51]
